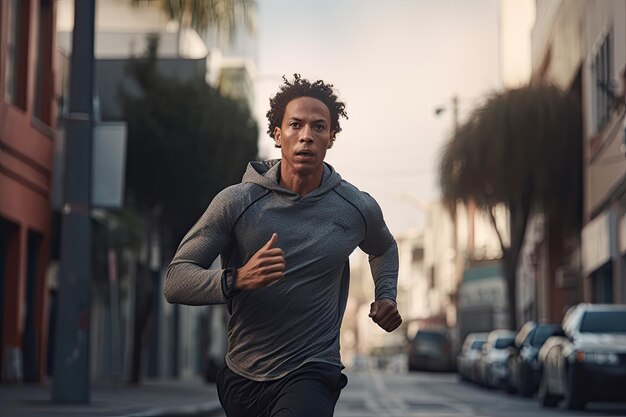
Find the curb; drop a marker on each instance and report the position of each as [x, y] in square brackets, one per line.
[199, 410]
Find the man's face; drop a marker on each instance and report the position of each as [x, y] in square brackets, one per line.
[304, 135]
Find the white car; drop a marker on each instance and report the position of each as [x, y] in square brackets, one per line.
[467, 361]
[493, 358]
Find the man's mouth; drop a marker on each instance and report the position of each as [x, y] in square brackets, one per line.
[305, 152]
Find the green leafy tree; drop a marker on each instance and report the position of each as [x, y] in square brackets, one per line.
[185, 143]
[521, 149]
[223, 15]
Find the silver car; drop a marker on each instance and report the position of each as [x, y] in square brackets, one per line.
[467, 360]
[493, 358]
[589, 362]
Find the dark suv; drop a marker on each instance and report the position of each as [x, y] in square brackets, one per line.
[431, 350]
[524, 368]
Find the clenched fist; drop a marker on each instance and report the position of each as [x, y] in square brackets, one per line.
[266, 266]
[385, 313]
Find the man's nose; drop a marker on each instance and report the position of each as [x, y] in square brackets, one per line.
[306, 134]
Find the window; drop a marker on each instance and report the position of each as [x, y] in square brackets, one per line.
[477, 344]
[16, 54]
[43, 80]
[543, 332]
[604, 322]
[602, 81]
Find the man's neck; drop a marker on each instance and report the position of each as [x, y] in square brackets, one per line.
[299, 183]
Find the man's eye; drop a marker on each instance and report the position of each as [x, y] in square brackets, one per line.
[319, 128]
[294, 125]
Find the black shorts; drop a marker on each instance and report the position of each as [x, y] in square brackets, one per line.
[311, 390]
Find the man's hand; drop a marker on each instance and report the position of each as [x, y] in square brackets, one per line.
[265, 267]
[385, 313]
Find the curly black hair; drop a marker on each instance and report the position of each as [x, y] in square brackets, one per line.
[301, 87]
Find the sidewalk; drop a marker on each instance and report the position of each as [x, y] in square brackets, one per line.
[163, 398]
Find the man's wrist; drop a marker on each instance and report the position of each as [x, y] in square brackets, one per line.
[229, 282]
[387, 298]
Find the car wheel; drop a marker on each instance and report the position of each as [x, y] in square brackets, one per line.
[525, 382]
[574, 399]
[546, 399]
[509, 383]
[508, 387]
[486, 380]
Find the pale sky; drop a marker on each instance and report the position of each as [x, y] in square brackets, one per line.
[393, 62]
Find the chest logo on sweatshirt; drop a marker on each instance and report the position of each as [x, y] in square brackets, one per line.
[342, 226]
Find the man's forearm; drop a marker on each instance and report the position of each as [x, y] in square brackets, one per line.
[385, 273]
[186, 283]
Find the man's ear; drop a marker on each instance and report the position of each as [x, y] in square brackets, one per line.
[332, 140]
[277, 138]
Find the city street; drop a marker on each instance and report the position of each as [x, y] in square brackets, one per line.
[440, 395]
[378, 394]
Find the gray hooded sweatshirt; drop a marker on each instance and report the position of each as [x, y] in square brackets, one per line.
[275, 330]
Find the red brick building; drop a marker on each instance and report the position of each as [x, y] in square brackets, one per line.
[27, 131]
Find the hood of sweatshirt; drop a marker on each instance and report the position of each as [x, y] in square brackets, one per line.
[267, 174]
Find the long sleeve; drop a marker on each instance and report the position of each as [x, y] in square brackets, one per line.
[188, 279]
[382, 249]
[385, 273]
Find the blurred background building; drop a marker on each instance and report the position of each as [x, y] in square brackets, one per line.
[603, 72]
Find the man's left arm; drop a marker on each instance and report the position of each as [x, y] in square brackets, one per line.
[384, 311]
[382, 249]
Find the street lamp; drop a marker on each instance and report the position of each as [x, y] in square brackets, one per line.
[455, 112]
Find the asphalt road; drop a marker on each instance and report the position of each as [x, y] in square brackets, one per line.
[442, 395]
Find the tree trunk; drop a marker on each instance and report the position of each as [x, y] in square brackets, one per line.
[518, 219]
[509, 268]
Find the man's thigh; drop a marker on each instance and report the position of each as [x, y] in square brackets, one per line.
[240, 397]
[311, 391]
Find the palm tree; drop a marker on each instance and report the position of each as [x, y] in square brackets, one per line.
[225, 16]
[521, 149]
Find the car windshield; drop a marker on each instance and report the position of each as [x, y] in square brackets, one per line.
[603, 322]
[477, 344]
[503, 342]
[542, 332]
[432, 337]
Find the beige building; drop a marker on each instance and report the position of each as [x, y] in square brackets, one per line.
[604, 78]
[516, 22]
[580, 46]
[550, 256]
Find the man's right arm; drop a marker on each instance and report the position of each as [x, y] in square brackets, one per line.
[188, 279]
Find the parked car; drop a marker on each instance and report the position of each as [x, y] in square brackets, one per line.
[493, 358]
[467, 360]
[523, 366]
[588, 363]
[431, 350]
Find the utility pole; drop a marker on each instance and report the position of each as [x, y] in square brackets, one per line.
[71, 382]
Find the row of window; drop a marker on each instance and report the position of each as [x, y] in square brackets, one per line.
[15, 40]
[602, 70]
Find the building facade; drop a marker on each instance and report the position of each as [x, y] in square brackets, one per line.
[27, 133]
[580, 46]
[604, 147]
[554, 257]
